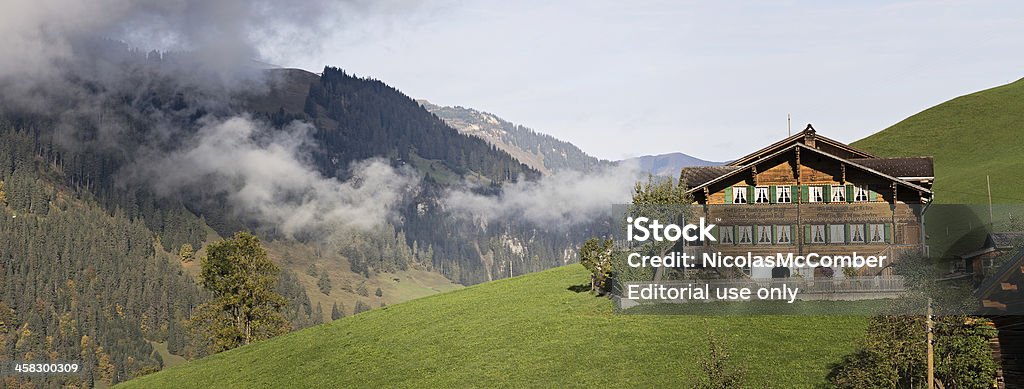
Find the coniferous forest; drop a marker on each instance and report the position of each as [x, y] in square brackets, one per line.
[99, 268]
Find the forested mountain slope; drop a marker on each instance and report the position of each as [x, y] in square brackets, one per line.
[79, 280]
[111, 189]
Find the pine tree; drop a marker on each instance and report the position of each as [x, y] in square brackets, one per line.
[361, 290]
[324, 283]
[361, 307]
[337, 312]
[311, 270]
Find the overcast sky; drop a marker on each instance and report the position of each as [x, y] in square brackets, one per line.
[711, 79]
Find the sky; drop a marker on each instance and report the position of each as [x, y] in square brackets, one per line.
[715, 80]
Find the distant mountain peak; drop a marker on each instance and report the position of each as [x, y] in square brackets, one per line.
[668, 164]
[540, 151]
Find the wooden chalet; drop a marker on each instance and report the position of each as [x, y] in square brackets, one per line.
[1002, 300]
[979, 263]
[808, 193]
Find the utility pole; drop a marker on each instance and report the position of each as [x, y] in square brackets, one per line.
[931, 354]
[991, 220]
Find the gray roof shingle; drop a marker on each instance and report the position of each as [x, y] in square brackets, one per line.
[699, 175]
[900, 167]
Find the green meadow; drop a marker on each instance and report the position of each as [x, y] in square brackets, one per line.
[529, 331]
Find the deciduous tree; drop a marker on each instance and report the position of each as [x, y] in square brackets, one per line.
[596, 256]
[246, 308]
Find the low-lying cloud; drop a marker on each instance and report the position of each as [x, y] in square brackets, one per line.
[266, 178]
[35, 35]
[561, 200]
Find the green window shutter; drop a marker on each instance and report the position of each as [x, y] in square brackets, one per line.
[849, 193]
[807, 233]
[794, 194]
[728, 195]
[753, 234]
[771, 194]
[872, 195]
[846, 231]
[826, 190]
[714, 233]
[888, 233]
[792, 233]
[734, 231]
[774, 234]
[750, 195]
[805, 194]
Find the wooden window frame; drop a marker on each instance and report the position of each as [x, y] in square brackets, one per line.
[824, 233]
[863, 234]
[811, 192]
[758, 190]
[784, 190]
[739, 233]
[783, 229]
[739, 194]
[858, 191]
[840, 192]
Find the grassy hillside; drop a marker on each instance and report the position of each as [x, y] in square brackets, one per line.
[396, 287]
[970, 137]
[532, 330]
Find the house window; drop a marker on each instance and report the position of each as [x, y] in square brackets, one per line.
[861, 194]
[725, 235]
[818, 233]
[782, 195]
[838, 194]
[761, 195]
[876, 233]
[837, 233]
[739, 195]
[782, 235]
[856, 233]
[816, 194]
[746, 234]
[764, 234]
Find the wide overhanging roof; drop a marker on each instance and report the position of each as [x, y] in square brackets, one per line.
[737, 169]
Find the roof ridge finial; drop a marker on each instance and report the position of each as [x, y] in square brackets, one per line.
[809, 128]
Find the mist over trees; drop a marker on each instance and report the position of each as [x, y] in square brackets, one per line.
[101, 223]
[84, 277]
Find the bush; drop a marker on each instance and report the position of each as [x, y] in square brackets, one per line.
[718, 367]
[895, 354]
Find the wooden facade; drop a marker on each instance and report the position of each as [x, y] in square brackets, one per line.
[1001, 297]
[808, 193]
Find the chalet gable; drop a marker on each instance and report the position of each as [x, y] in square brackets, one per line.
[810, 139]
[702, 176]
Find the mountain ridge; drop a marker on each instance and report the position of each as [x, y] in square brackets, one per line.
[538, 150]
[668, 164]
